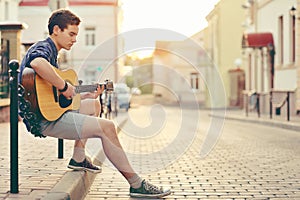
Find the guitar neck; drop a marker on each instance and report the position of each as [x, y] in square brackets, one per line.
[108, 86]
[86, 88]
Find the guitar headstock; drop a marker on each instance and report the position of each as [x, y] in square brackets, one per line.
[109, 85]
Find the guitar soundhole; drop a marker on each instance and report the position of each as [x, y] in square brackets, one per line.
[64, 102]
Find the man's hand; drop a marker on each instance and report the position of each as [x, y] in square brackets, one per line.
[70, 92]
[99, 91]
[93, 95]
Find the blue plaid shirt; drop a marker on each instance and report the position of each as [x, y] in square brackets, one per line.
[45, 49]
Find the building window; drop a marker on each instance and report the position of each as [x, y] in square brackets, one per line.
[281, 39]
[195, 81]
[90, 36]
[6, 11]
[58, 4]
[293, 39]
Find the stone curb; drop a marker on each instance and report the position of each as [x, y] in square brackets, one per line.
[269, 122]
[75, 185]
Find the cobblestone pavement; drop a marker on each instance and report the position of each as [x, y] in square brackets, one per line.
[249, 161]
[39, 167]
[42, 175]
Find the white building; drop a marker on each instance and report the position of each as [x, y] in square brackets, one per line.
[178, 71]
[9, 10]
[271, 23]
[95, 52]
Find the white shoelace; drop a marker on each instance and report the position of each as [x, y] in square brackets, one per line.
[152, 188]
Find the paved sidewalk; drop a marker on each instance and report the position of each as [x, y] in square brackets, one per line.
[249, 161]
[279, 121]
[39, 167]
[41, 174]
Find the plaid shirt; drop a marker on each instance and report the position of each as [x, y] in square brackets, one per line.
[45, 49]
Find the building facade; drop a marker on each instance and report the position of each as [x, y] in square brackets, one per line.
[297, 46]
[101, 21]
[10, 42]
[178, 69]
[216, 59]
[224, 32]
[270, 53]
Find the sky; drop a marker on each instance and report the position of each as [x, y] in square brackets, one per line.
[185, 17]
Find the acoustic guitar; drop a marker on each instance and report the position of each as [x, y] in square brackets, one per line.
[46, 101]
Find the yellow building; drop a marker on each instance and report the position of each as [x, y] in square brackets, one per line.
[215, 58]
[223, 44]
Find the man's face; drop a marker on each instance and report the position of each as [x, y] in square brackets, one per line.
[66, 38]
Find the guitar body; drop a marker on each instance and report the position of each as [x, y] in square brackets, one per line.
[45, 99]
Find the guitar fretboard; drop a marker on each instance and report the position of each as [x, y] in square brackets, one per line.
[85, 88]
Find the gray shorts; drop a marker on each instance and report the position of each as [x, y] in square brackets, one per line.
[68, 126]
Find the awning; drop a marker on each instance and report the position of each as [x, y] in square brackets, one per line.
[257, 40]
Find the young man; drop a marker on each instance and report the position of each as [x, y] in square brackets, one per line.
[84, 123]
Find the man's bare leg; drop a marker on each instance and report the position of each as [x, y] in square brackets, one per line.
[88, 107]
[106, 131]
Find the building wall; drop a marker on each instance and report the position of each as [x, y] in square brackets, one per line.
[265, 16]
[36, 18]
[89, 59]
[224, 40]
[298, 56]
[173, 64]
[14, 37]
[9, 10]
[91, 62]
[99, 62]
[267, 20]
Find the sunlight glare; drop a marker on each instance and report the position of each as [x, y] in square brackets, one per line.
[183, 16]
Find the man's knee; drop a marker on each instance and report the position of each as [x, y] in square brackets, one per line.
[110, 129]
[97, 107]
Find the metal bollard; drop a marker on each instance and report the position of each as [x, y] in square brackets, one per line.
[271, 104]
[258, 105]
[14, 168]
[288, 105]
[60, 148]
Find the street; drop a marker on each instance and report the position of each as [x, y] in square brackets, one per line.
[249, 161]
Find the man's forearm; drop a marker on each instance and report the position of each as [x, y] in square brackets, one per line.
[45, 70]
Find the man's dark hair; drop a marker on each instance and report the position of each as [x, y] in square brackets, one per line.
[62, 18]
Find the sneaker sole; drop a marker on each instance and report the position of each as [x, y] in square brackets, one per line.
[84, 169]
[139, 195]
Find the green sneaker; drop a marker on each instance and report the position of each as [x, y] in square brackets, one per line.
[85, 165]
[147, 190]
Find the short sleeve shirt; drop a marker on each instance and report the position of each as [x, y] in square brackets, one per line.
[45, 49]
